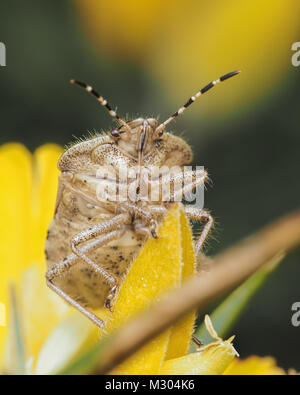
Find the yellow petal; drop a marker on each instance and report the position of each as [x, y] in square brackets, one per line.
[129, 26]
[207, 38]
[156, 270]
[74, 335]
[2, 314]
[41, 308]
[231, 35]
[15, 226]
[213, 360]
[181, 333]
[44, 196]
[254, 365]
[29, 186]
[40, 311]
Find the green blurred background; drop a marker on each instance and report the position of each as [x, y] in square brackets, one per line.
[245, 132]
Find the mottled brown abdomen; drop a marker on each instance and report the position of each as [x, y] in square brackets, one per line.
[80, 281]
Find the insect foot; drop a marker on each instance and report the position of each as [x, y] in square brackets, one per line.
[110, 297]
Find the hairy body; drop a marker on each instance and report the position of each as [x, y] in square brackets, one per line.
[94, 238]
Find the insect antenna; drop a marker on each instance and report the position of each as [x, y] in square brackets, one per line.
[191, 100]
[104, 103]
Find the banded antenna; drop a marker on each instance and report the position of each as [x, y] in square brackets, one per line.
[162, 126]
[104, 103]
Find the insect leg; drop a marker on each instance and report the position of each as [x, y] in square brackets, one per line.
[157, 210]
[145, 214]
[91, 233]
[172, 185]
[203, 216]
[192, 179]
[70, 261]
[75, 304]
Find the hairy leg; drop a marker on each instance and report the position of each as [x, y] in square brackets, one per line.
[171, 186]
[75, 304]
[70, 261]
[106, 227]
[146, 215]
[91, 233]
[203, 216]
[192, 179]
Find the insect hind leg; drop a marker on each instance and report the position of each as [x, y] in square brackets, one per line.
[60, 268]
[96, 320]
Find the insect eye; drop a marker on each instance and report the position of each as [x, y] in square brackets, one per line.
[115, 133]
[157, 136]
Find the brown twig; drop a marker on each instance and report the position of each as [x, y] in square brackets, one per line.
[229, 269]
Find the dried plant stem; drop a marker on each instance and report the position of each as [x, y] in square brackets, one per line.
[228, 270]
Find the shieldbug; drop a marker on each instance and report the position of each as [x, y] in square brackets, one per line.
[91, 242]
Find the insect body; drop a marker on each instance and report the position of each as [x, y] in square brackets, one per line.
[92, 241]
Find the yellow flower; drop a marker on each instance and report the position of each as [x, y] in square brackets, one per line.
[211, 361]
[130, 25]
[28, 191]
[254, 366]
[55, 334]
[186, 44]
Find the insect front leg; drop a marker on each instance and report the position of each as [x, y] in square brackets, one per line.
[203, 216]
[191, 179]
[173, 183]
[193, 213]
